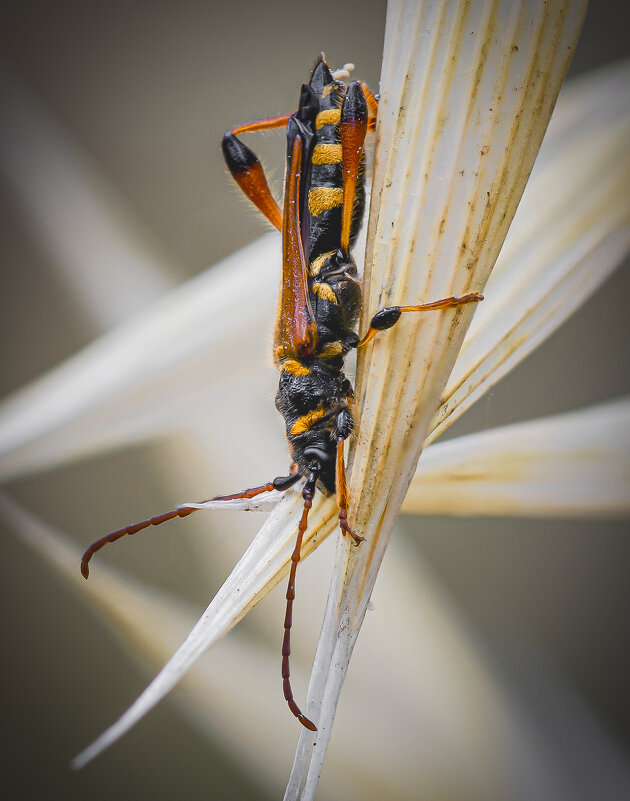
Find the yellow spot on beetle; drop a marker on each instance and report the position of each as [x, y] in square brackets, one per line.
[315, 267]
[294, 367]
[327, 154]
[325, 292]
[324, 198]
[330, 350]
[329, 117]
[327, 90]
[307, 421]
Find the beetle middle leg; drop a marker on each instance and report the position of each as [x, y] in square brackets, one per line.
[390, 315]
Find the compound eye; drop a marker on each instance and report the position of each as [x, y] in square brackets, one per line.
[319, 454]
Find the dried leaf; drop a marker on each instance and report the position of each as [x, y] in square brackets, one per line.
[567, 465]
[571, 231]
[461, 118]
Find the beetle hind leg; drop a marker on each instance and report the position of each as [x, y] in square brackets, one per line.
[353, 127]
[247, 170]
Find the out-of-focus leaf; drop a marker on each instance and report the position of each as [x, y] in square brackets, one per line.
[567, 465]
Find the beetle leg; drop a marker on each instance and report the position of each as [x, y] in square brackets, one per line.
[262, 125]
[389, 316]
[342, 494]
[247, 170]
[372, 104]
[352, 130]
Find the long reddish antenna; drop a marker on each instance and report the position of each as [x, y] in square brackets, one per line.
[307, 494]
[132, 529]
[281, 483]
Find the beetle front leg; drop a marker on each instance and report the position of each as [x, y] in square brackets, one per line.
[345, 424]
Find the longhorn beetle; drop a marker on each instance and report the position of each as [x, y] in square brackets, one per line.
[320, 298]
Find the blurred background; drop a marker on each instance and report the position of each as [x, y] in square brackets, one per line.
[133, 99]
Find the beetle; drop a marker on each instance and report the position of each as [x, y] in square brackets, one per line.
[320, 299]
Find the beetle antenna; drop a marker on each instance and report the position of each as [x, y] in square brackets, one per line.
[307, 493]
[281, 483]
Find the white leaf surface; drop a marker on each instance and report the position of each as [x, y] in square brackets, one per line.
[568, 465]
[260, 503]
[461, 117]
[571, 231]
[230, 695]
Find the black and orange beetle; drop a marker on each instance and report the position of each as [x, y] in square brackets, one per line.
[320, 297]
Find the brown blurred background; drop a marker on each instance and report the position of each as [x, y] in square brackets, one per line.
[145, 90]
